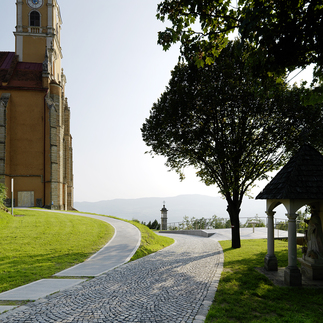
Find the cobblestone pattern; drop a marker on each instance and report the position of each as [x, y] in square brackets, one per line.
[169, 286]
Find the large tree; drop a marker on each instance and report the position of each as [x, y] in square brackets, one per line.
[287, 33]
[227, 124]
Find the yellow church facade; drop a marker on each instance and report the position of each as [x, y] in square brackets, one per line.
[35, 140]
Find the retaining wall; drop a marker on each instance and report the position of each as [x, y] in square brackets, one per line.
[200, 233]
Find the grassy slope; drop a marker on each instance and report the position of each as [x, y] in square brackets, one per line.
[244, 295]
[150, 241]
[41, 244]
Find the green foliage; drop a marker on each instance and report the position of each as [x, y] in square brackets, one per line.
[284, 34]
[219, 223]
[202, 45]
[36, 245]
[154, 225]
[245, 295]
[282, 225]
[187, 223]
[304, 116]
[3, 191]
[219, 120]
[289, 32]
[231, 126]
[300, 223]
[200, 224]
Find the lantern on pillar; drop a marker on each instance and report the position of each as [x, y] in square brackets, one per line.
[163, 218]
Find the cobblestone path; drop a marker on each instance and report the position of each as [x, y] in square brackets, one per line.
[170, 286]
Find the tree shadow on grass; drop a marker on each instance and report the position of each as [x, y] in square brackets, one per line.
[245, 295]
[254, 260]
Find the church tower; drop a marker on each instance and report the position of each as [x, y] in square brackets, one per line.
[38, 31]
[35, 140]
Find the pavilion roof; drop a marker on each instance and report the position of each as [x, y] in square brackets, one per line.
[300, 178]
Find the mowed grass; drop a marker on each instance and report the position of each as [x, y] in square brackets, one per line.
[40, 244]
[245, 295]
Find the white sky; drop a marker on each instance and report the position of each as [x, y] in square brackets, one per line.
[115, 72]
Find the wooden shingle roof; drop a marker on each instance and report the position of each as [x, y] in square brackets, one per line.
[300, 178]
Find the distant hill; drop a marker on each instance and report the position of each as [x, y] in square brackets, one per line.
[148, 209]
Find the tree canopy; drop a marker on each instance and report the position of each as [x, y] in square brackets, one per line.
[227, 124]
[285, 34]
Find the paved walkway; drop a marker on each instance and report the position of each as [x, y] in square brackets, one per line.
[174, 285]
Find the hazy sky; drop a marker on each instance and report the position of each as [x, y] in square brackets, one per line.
[115, 72]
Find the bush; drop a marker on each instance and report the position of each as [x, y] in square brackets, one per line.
[3, 195]
[153, 226]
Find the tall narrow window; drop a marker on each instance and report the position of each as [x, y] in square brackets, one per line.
[34, 19]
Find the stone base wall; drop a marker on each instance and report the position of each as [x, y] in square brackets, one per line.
[200, 233]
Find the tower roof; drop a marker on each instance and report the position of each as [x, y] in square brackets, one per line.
[300, 178]
[19, 74]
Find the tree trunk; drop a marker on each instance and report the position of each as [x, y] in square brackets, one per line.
[234, 211]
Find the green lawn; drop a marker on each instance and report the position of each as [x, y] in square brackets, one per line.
[245, 295]
[40, 244]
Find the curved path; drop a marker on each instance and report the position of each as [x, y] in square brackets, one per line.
[116, 252]
[176, 284]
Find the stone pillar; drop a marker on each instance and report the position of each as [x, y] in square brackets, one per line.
[4, 100]
[54, 103]
[163, 218]
[292, 275]
[19, 27]
[19, 31]
[270, 259]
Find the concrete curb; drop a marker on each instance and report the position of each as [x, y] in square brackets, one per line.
[208, 300]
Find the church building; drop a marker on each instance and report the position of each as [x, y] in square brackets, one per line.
[35, 141]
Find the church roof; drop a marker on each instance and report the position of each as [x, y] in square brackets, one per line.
[19, 74]
[300, 178]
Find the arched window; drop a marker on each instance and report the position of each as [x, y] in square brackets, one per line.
[34, 19]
